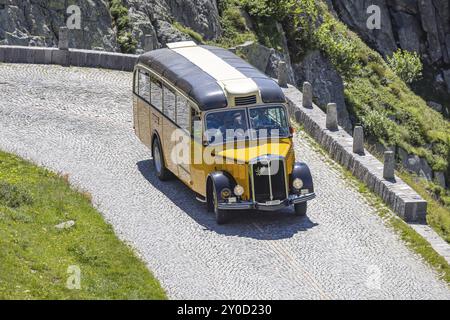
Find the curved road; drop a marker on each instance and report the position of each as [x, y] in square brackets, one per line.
[78, 121]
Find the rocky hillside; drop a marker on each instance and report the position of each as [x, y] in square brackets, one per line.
[36, 23]
[111, 25]
[413, 25]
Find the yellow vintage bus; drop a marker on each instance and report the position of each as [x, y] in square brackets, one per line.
[220, 126]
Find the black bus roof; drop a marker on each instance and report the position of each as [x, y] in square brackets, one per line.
[199, 84]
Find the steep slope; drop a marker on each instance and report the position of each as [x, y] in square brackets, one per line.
[413, 25]
[36, 23]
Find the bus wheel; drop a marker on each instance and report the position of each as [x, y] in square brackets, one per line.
[158, 162]
[221, 215]
[300, 209]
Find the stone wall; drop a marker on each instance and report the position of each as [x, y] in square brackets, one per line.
[73, 57]
[339, 144]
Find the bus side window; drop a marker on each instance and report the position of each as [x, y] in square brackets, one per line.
[144, 86]
[183, 112]
[196, 125]
[156, 94]
[169, 103]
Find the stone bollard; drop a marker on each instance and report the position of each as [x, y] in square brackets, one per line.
[332, 120]
[307, 95]
[63, 42]
[358, 140]
[389, 165]
[148, 43]
[282, 74]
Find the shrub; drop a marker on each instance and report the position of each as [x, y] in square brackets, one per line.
[119, 13]
[13, 196]
[276, 9]
[377, 124]
[234, 27]
[194, 35]
[407, 65]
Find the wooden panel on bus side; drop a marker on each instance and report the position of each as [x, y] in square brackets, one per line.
[168, 145]
[183, 154]
[135, 116]
[144, 123]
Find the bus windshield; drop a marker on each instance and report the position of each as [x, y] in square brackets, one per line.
[246, 124]
[269, 122]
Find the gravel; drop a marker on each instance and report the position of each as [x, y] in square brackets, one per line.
[79, 121]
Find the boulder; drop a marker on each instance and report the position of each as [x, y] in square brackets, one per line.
[157, 17]
[265, 59]
[327, 84]
[65, 225]
[199, 15]
[354, 14]
[415, 164]
[439, 177]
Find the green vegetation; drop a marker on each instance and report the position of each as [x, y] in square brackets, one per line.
[119, 13]
[411, 238]
[35, 255]
[407, 65]
[194, 35]
[379, 99]
[438, 212]
[234, 26]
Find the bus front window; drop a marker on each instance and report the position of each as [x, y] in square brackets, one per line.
[269, 122]
[226, 125]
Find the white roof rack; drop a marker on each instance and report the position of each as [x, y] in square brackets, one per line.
[181, 44]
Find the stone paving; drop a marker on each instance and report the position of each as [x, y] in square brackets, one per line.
[78, 121]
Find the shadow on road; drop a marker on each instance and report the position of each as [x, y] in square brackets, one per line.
[250, 224]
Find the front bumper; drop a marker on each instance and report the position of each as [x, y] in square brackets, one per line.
[249, 205]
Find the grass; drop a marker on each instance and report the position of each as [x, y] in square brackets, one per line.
[186, 30]
[409, 236]
[438, 215]
[35, 256]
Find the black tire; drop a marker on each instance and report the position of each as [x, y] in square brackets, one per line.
[221, 215]
[300, 209]
[158, 162]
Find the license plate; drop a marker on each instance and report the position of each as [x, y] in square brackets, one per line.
[273, 203]
[232, 200]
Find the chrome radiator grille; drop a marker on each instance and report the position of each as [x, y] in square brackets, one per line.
[268, 180]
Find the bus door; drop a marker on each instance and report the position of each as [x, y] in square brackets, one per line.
[142, 108]
[169, 127]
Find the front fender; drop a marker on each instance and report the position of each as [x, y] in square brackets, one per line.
[221, 180]
[301, 171]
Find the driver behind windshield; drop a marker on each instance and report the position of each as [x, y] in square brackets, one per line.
[260, 118]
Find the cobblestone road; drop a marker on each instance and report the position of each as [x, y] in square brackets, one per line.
[78, 121]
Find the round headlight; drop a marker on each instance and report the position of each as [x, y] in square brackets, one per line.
[297, 184]
[225, 193]
[239, 190]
